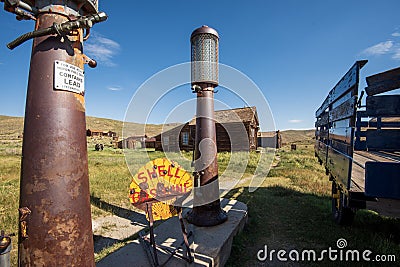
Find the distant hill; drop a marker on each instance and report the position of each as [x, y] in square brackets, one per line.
[134, 128]
[12, 127]
[293, 136]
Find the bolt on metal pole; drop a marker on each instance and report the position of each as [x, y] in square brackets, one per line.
[55, 227]
[204, 45]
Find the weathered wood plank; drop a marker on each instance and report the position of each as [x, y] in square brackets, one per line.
[374, 124]
[357, 178]
[322, 133]
[383, 82]
[388, 139]
[339, 165]
[342, 147]
[342, 134]
[361, 157]
[323, 107]
[349, 80]
[358, 167]
[323, 120]
[384, 105]
[392, 155]
[344, 110]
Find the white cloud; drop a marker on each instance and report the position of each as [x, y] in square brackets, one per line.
[295, 121]
[102, 49]
[379, 49]
[114, 88]
[396, 54]
[396, 34]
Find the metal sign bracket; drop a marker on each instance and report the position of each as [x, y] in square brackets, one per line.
[151, 247]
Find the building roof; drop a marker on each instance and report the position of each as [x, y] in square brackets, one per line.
[266, 134]
[136, 137]
[245, 114]
[95, 131]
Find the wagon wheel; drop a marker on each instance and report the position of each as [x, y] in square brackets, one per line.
[341, 215]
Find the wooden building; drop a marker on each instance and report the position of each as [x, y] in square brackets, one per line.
[269, 139]
[133, 142]
[99, 133]
[238, 125]
[94, 133]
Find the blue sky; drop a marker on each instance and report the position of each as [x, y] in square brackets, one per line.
[294, 51]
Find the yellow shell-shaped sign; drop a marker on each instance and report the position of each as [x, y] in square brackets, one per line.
[160, 180]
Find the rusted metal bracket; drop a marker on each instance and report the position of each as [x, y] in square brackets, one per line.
[61, 29]
[23, 10]
[91, 62]
[198, 89]
[24, 213]
[150, 246]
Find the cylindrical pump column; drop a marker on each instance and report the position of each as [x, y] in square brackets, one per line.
[55, 217]
[207, 209]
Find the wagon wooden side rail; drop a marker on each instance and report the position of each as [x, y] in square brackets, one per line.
[359, 144]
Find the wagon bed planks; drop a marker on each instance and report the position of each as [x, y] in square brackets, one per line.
[358, 167]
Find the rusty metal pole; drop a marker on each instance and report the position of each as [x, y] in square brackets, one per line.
[55, 217]
[204, 44]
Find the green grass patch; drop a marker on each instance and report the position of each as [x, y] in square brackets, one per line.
[291, 210]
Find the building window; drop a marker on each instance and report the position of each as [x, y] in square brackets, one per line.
[185, 138]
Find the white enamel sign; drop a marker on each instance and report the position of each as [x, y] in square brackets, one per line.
[68, 77]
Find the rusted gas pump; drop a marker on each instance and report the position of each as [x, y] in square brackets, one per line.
[55, 221]
[204, 56]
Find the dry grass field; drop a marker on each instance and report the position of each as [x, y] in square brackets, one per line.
[291, 209]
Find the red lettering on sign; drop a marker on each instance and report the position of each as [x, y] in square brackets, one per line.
[176, 173]
[142, 177]
[161, 170]
[169, 171]
[152, 174]
[185, 185]
[178, 188]
[153, 192]
[135, 196]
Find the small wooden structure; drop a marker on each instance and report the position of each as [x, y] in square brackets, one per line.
[133, 142]
[269, 139]
[240, 125]
[94, 133]
[100, 133]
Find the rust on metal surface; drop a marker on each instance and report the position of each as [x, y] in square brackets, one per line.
[205, 129]
[87, 6]
[24, 213]
[54, 172]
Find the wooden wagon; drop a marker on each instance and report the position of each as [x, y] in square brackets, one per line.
[359, 144]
